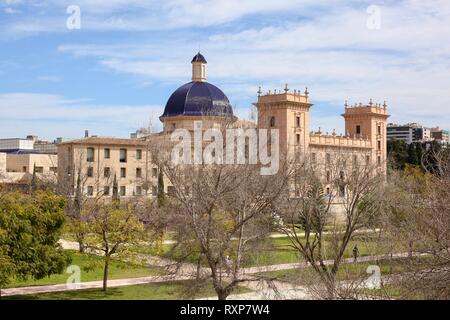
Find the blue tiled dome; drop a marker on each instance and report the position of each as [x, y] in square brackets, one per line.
[198, 99]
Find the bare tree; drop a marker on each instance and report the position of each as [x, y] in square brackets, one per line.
[418, 216]
[219, 213]
[327, 204]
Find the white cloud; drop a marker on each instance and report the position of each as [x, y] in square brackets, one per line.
[327, 47]
[53, 116]
[11, 11]
[335, 54]
[145, 15]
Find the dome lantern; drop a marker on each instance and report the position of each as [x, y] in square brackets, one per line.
[199, 68]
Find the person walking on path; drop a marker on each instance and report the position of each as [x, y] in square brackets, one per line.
[355, 253]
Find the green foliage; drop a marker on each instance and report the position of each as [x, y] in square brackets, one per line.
[397, 153]
[30, 227]
[112, 229]
[421, 155]
[111, 226]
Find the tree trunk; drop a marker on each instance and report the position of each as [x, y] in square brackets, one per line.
[81, 245]
[410, 251]
[221, 295]
[331, 288]
[199, 266]
[82, 248]
[105, 274]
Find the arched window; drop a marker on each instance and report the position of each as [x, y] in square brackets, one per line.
[272, 122]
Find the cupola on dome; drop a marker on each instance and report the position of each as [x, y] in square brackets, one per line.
[198, 97]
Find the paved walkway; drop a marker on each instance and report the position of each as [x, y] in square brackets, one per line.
[276, 290]
[74, 245]
[91, 285]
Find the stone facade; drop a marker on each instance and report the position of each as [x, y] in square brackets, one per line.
[19, 168]
[101, 165]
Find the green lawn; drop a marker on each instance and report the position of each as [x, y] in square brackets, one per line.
[279, 250]
[92, 270]
[175, 290]
[346, 271]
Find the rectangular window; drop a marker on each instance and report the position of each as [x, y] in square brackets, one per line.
[154, 191]
[313, 158]
[106, 191]
[90, 191]
[39, 169]
[54, 169]
[297, 121]
[342, 191]
[171, 190]
[123, 172]
[379, 145]
[90, 154]
[138, 190]
[367, 159]
[90, 172]
[138, 173]
[154, 172]
[328, 158]
[107, 153]
[379, 161]
[107, 172]
[123, 155]
[123, 191]
[358, 129]
[138, 154]
[328, 176]
[298, 139]
[379, 130]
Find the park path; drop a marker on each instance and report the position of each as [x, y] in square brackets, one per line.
[186, 272]
[282, 235]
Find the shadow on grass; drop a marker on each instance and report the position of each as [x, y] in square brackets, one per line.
[86, 294]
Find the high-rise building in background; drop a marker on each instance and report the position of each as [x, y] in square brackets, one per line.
[409, 133]
[440, 135]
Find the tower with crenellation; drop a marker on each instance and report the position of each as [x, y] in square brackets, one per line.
[287, 111]
[369, 122]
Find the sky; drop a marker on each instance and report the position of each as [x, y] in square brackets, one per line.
[112, 70]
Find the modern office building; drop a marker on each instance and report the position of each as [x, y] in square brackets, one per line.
[440, 135]
[409, 133]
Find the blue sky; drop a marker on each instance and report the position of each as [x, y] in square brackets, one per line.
[116, 73]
